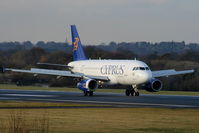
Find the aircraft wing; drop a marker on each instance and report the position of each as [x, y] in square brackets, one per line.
[58, 73]
[162, 73]
[50, 64]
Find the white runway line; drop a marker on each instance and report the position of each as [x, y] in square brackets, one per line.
[7, 98]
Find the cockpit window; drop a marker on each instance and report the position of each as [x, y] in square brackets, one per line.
[135, 68]
[141, 68]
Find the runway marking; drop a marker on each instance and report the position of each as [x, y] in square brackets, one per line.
[53, 97]
[6, 98]
[120, 103]
[28, 95]
[162, 95]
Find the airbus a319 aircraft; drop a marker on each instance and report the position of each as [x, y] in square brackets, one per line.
[95, 73]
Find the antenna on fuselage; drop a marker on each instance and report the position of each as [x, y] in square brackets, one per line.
[135, 58]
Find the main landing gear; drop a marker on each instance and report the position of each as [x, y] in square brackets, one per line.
[86, 93]
[133, 91]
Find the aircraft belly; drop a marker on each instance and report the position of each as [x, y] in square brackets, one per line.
[93, 73]
[123, 79]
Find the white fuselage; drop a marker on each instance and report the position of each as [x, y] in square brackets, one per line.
[125, 72]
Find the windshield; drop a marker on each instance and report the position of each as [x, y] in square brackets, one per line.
[141, 68]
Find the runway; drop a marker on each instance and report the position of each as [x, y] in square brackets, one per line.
[112, 99]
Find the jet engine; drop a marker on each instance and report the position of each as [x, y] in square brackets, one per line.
[87, 85]
[154, 85]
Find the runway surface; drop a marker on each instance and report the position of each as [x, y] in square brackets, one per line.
[113, 99]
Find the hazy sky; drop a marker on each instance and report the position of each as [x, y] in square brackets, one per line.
[100, 21]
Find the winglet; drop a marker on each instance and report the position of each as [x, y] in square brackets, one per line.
[78, 52]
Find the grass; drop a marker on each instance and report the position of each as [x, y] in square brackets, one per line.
[22, 104]
[98, 120]
[9, 86]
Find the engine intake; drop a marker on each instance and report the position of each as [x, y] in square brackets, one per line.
[154, 85]
[87, 85]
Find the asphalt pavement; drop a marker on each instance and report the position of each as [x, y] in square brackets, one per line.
[113, 99]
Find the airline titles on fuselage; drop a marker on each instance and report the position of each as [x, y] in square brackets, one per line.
[112, 69]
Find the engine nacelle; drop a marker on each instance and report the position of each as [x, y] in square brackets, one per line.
[87, 85]
[154, 85]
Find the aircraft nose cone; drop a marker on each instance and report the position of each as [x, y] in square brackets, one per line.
[145, 76]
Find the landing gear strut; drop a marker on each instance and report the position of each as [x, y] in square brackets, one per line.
[128, 92]
[86, 93]
[133, 91]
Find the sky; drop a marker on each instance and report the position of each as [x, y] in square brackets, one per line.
[100, 21]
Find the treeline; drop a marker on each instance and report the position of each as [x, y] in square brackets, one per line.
[27, 58]
[139, 48]
[27, 45]
[146, 48]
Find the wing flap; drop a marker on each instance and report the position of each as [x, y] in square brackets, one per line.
[162, 73]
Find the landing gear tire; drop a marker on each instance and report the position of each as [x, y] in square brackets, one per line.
[128, 92]
[90, 93]
[86, 93]
[133, 93]
[137, 93]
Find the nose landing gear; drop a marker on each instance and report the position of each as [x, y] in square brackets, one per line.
[133, 91]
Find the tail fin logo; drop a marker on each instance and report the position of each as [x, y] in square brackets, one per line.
[75, 44]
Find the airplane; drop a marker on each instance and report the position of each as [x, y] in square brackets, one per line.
[95, 73]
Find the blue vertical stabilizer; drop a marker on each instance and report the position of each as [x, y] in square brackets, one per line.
[78, 52]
